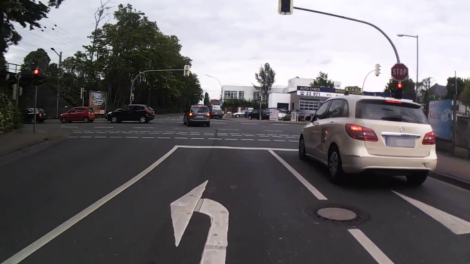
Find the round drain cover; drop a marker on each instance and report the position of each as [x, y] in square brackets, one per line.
[338, 214]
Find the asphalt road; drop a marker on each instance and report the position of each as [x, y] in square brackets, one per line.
[109, 195]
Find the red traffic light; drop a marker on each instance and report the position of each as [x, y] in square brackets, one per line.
[36, 71]
[400, 85]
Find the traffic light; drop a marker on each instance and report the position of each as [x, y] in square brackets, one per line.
[377, 69]
[286, 7]
[186, 70]
[37, 79]
[399, 91]
[36, 72]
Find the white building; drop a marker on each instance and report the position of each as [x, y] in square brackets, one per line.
[284, 97]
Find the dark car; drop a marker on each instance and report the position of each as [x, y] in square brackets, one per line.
[217, 114]
[133, 112]
[197, 114]
[255, 114]
[28, 115]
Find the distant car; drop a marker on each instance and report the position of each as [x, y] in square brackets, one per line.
[217, 114]
[78, 114]
[134, 112]
[28, 115]
[255, 114]
[356, 134]
[197, 114]
[238, 114]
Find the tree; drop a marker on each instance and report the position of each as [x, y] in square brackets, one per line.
[34, 59]
[451, 87]
[408, 86]
[464, 97]
[322, 81]
[265, 78]
[207, 101]
[24, 12]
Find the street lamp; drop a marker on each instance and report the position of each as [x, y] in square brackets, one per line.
[58, 79]
[417, 56]
[219, 83]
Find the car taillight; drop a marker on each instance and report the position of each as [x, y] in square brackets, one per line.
[208, 114]
[429, 139]
[149, 111]
[361, 133]
[40, 115]
[190, 114]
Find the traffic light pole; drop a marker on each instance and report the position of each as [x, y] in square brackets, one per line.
[140, 73]
[366, 79]
[355, 20]
[35, 108]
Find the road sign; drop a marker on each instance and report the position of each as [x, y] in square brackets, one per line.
[399, 72]
[217, 240]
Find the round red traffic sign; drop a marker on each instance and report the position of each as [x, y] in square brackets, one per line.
[399, 72]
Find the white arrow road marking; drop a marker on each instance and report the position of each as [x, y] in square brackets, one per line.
[456, 225]
[217, 239]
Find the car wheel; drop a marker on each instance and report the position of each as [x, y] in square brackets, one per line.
[63, 120]
[302, 151]
[114, 119]
[335, 166]
[86, 120]
[417, 178]
[142, 119]
[250, 117]
[237, 116]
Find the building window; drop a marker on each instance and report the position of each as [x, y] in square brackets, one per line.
[241, 95]
[311, 105]
[255, 95]
[230, 94]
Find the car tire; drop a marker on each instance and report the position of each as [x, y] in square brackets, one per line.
[237, 116]
[208, 124]
[86, 120]
[302, 151]
[114, 119]
[63, 120]
[142, 119]
[335, 166]
[417, 178]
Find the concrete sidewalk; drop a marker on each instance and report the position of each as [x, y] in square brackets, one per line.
[24, 138]
[453, 167]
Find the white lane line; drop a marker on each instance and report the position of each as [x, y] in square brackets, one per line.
[103, 127]
[232, 139]
[27, 251]
[197, 138]
[247, 139]
[85, 136]
[239, 148]
[163, 137]
[181, 138]
[370, 247]
[132, 137]
[264, 140]
[456, 225]
[115, 137]
[100, 137]
[299, 177]
[295, 141]
[141, 127]
[279, 124]
[215, 138]
[249, 123]
[148, 137]
[279, 140]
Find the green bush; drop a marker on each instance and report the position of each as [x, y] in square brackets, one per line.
[10, 117]
[286, 118]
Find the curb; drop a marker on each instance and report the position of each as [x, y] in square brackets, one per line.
[450, 179]
[24, 148]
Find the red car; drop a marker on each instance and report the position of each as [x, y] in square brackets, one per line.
[79, 113]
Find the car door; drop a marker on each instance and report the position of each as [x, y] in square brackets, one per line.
[136, 112]
[332, 126]
[72, 115]
[125, 113]
[312, 133]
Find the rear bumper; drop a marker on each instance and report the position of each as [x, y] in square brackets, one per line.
[199, 120]
[357, 164]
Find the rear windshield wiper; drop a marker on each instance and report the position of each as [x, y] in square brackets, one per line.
[393, 118]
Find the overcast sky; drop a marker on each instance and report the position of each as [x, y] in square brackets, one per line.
[230, 40]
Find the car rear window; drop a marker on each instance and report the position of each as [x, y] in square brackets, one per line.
[200, 109]
[390, 111]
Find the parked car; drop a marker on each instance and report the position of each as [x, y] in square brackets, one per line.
[78, 114]
[255, 114]
[356, 134]
[217, 114]
[133, 112]
[197, 114]
[28, 115]
[239, 114]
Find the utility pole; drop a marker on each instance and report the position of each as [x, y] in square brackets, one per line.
[58, 80]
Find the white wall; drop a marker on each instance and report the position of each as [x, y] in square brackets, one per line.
[275, 98]
[248, 90]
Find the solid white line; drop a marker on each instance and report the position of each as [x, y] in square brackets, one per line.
[370, 247]
[232, 139]
[132, 137]
[180, 138]
[456, 225]
[238, 148]
[264, 140]
[247, 139]
[197, 138]
[164, 137]
[24, 253]
[279, 140]
[299, 177]
[148, 137]
[215, 138]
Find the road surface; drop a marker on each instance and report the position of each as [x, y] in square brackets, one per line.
[234, 192]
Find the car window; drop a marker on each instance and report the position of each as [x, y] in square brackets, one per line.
[390, 110]
[80, 110]
[321, 112]
[138, 108]
[338, 108]
[90, 110]
[200, 109]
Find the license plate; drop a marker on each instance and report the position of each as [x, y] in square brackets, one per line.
[401, 142]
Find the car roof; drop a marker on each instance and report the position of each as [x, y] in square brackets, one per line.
[353, 98]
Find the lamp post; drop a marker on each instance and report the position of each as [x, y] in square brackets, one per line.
[219, 83]
[417, 57]
[58, 80]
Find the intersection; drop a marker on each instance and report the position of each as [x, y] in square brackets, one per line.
[166, 193]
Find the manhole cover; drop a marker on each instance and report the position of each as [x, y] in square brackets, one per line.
[335, 213]
[338, 214]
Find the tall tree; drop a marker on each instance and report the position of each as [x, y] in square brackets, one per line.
[207, 100]
[451, 87]
[34, 59]
[265, 78]
[322, 81]
[408, 86]
[24, 12]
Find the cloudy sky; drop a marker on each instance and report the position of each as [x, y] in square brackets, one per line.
[230, 40]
